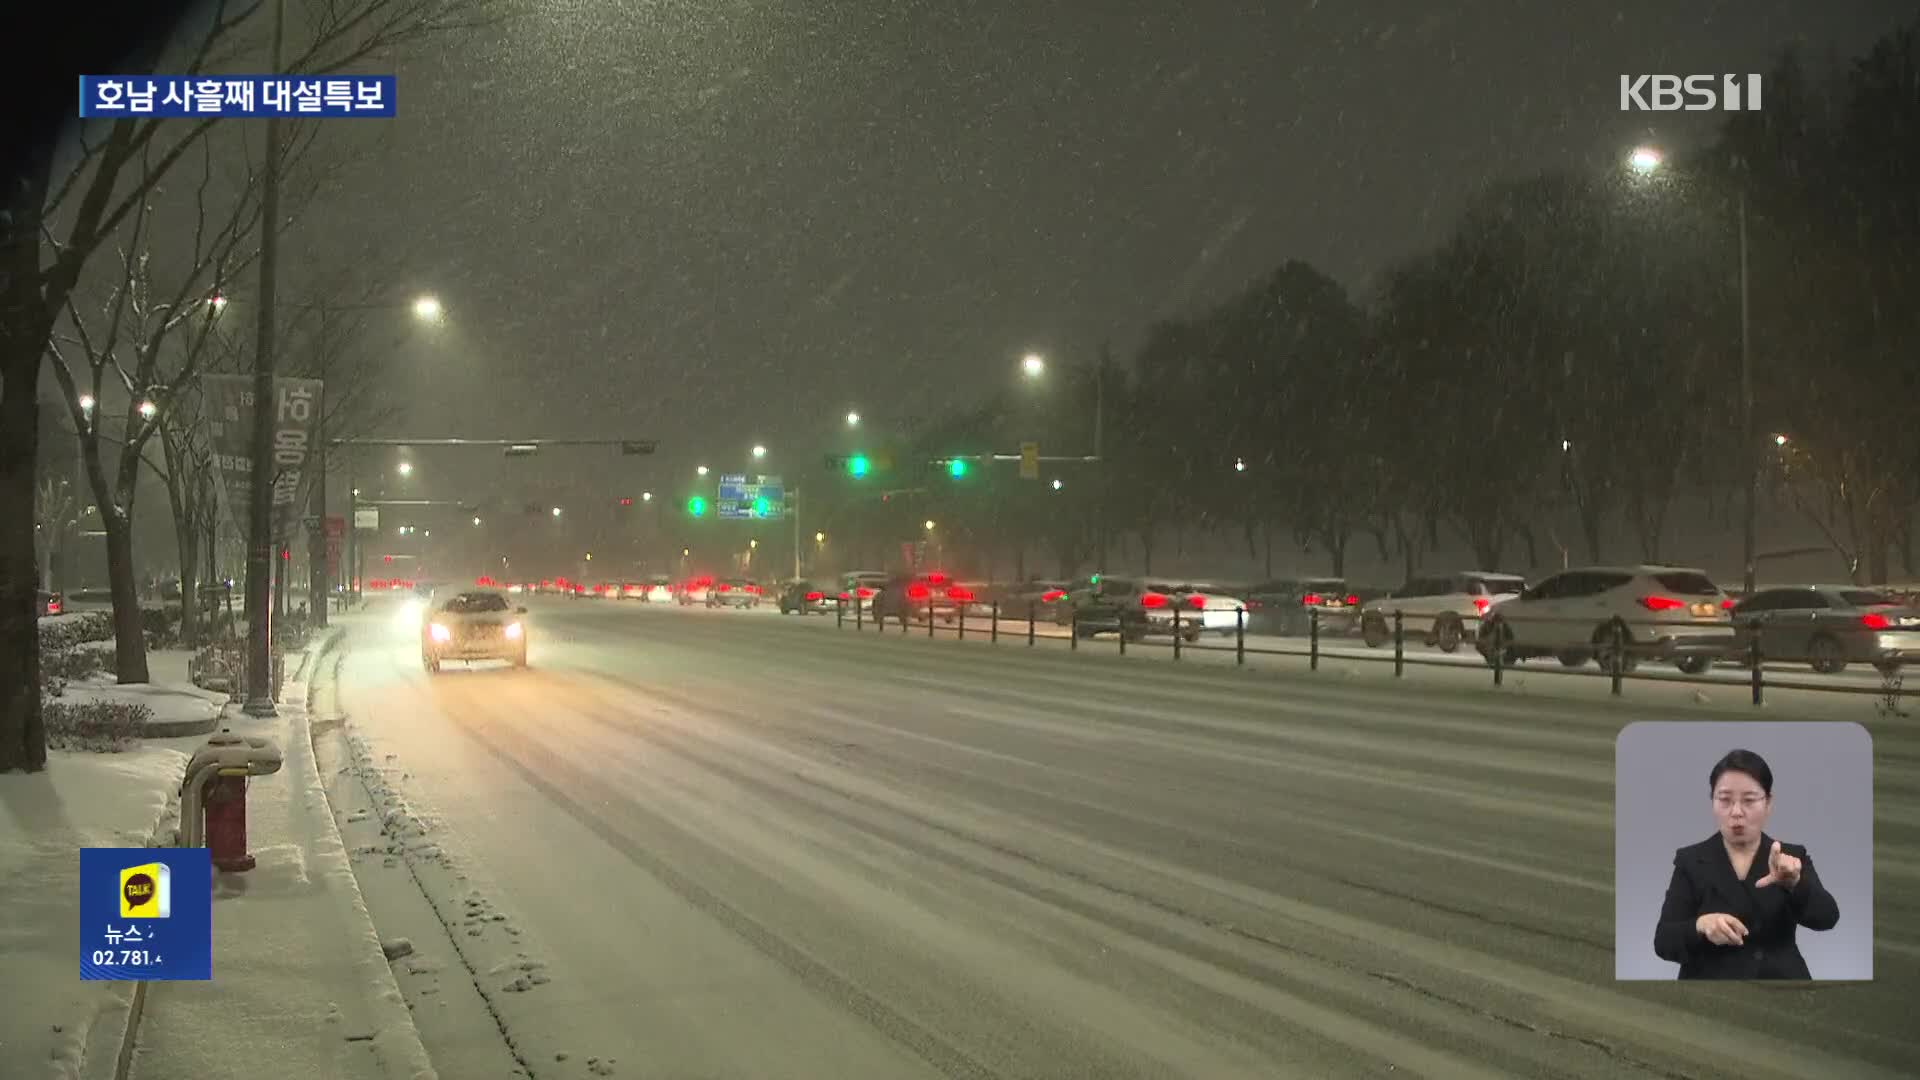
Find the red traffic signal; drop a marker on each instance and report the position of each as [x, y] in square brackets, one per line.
[626, 502]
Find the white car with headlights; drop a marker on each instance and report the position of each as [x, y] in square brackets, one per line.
[473, 624]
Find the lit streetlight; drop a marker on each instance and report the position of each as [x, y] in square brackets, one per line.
[1239, 464]
[1645, 160]
[1058, 484]
[1033, 365]
[701, 469]
[753, 544]
[1779, 440]
[759, 451]
[476, 522]
[853, 419]
[86, 402]
[646, 496]
[819, 538]
[148, 410]
[428, 309]
[556, 511]
[217, 303]
[406, 468]
[929, 524]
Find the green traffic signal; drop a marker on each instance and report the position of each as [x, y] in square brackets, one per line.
[697, 506]
[956, 468]
[858, 465]
[761, 507]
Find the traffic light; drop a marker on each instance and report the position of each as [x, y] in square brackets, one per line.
[697, 506]
[957, 468]
[858, 465]
[625, 501]
[761, 507]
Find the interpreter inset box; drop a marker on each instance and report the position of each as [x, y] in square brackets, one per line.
[1743, 850]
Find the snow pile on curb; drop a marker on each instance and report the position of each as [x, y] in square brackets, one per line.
[49, 1018]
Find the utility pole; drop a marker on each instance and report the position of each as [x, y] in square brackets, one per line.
[1751, 446]
[319, 583]
[1100, 490]
[793, 500]
[261, 542]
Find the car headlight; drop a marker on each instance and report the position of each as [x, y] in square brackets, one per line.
[440, 633]
[513, 630]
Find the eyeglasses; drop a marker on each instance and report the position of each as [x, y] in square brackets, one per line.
[1728, 802]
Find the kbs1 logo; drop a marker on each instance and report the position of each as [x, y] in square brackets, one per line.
[1690, 93]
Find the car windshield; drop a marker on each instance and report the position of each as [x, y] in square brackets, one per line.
[475, 604]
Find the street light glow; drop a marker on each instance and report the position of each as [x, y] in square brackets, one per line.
[428, 308]
[406, 468]
[1239, 464]
[148, 410]
[1779, 440]
[556, 511]
[1645, 160]
[853, 419]
[86, 402]
[476, 523]
[701, 469]
[217, 303]
[646, 496]
[759, 451]
[929, 524]
[753, 544]
[1058, 484]
[1033, 365]
[819, 538]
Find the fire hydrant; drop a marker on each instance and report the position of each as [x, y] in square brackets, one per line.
[213, 801]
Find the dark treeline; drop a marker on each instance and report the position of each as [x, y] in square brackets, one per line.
[1554, 377]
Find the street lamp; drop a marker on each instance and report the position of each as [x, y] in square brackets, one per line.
[428, 309]
[759, 451]
[1239, 464]
[853, 419]
[1779, 440]
[819, 538]
[406, 468]
[1033, 365]
[476, 522]
[753, 544]
[86, 402]
[1058, 484]
[701, 469]
[1644, 159]
[556, 511]
[646, 496]
[929, 524]
[148, 410]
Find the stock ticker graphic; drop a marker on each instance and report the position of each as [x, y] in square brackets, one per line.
[146, 914]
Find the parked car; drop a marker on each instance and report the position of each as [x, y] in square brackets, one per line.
[1037, 593]
[52, 603]
[1668, 613]
[1830, 626]
[1287, 606]
[1440, 610]
[805, 598]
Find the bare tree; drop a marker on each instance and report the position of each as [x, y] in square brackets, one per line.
[67, 203]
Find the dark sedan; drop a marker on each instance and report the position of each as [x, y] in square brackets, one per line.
[1828, 627]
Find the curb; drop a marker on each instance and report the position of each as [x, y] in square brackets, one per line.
[179, 729]
[397, 1038]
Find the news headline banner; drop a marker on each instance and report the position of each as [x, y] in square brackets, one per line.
[146, 913]
[237, 95]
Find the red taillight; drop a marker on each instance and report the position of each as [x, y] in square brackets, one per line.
[1153, 600]
[1198, 603]
[1661, 603]
[822, 596]
[1481, 604]
[936, 578]
[1253, 605]
[1051, 595]
[863, 593]
[1352, 600]
[1310, 600]
[726, 588]
[1873, 620]
[960, 595]
[1726, 605]
[917, 592]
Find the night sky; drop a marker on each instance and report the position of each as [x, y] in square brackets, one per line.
[731, 220]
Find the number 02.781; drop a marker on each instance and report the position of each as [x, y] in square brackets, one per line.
[122, 957]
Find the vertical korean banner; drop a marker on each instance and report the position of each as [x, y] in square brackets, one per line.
[296, 422]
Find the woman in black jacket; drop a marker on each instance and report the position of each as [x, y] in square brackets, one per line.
[1737, 898]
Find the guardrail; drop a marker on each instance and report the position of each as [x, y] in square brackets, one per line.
[1618, 654]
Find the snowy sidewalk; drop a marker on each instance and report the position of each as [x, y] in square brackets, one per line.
[300, 986]
[52, 1024]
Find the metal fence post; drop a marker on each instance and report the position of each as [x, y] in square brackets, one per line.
[1240, 636]
[1499, 654]
[1619, 658]
[1123, 633]
[960, 619]
[860, 614]
[1399, 643]
[1029, 624]
[1176, 632]
[840, 615]
[1073, 630]
[1755, 660]
[929, 613]
[1313, 639]
[993, 629]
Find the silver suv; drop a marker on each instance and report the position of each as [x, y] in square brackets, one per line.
[1671, 613]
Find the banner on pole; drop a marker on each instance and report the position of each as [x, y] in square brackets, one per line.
[229, 401]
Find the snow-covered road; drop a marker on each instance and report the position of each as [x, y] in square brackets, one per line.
[723, 844]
